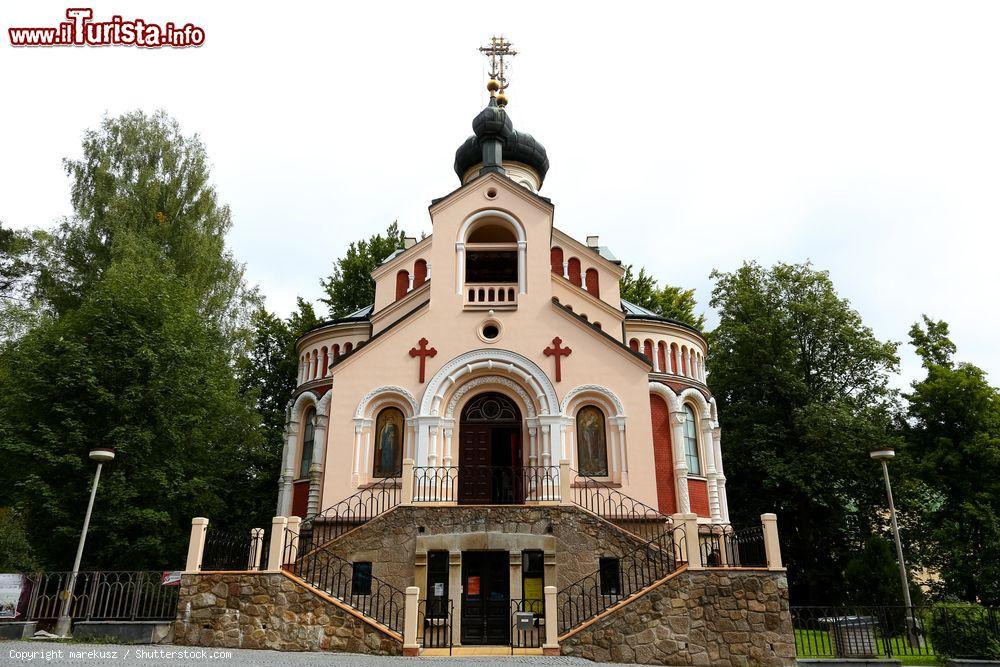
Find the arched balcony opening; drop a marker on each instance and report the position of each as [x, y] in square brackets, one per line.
[593, 283]
[556, 259]
[402, 283]
[574, 272]
[419, 273]
[492, 257]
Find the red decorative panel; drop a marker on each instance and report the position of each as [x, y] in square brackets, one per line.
[402, 284]
[556, 256]
[661, 356]
[593, 283]
[300, 497]
[574, 272]
[698, 492]
[419, 273]
[663, 456]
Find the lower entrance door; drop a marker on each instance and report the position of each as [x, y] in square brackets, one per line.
[486, 597]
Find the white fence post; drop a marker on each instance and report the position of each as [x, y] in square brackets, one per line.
[551, 645]
[276, 549]
[196, 545]
[692, 544]
[407, 490]
[410, 645]
[292, 544]
[772, 547]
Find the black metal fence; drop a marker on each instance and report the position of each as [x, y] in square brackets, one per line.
[434, 623]
[600, 590]
[484, 484]
[880, 631]
[102, 596]
[334, 521]
[235, 550]
[624, 511]
[527, 624]
[724, 546]
[373, 597]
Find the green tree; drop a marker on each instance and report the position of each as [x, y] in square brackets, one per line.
[15, 552]
[14, 264]
[140, 175]
[804, 389]
[137, 366]
[953, 436]
[666, 301]
[350, 286]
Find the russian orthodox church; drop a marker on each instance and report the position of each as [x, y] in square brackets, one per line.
[498, 369]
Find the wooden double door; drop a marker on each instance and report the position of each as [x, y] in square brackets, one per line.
[486, 614]
[489, 458]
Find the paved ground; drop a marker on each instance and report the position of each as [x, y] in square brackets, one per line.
[106, 655]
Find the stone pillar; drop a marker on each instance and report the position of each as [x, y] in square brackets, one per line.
[410, 645]
[565, 491]
[772, 547]
[455, 594]
[551, 645]
[410, 288]
[566, 270]
[622, 448]
[406, 497]
[356, 473]
[532, 446]
[691, 552]
[288, 463]
[420, 570]
[680, 462]
[708, 441]
[256, 547]
[546, 445]
[432, 456]
[516, 584]
[276, 549]
[292, 542]
[316, 469]
[196, 544]
[448, 456]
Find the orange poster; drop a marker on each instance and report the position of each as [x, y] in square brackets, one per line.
[472, 586]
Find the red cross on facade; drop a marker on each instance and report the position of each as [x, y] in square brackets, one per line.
[423, 352]
[557, 352]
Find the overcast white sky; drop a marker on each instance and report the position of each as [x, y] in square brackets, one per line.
[864, 136]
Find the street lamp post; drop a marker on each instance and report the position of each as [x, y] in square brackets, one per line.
[102, 455]
[883, 456]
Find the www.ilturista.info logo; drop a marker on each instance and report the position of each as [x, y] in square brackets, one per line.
[80, 30]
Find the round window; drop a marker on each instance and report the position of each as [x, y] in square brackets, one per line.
[490, 331]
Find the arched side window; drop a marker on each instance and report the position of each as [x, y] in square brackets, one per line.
[647, 349]
[691, 442]
[308, 441]
[673, 358]
[591, 442]
[661, 356]
[556, 258]
[593, 283]
[326, 361]
[634, 345]
[336, 351]
[574, 272]
[419, 273]
[315, 363]
[348, 347]
[388, 443]
[684, 360]
[402, 283]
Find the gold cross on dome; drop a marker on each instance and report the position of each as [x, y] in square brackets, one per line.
[497, 49]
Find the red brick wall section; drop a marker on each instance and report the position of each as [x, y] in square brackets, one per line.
[698, 492]
[663, 455]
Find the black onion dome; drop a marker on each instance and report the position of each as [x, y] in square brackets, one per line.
[493, 122]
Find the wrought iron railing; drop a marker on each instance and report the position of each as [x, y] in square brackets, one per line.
[377, 599]
[532, 636]
[638, 518]
[435, 623]
[635, 571]
[483, 484]
[236, 550]
[322, 527]
[102, 596]
[894, 631]
[723, 546]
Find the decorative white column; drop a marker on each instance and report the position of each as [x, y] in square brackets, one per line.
[460, 268]
[365, 471]
[432, 455]
[720, 474]
[656, 358]
[566, 270]
[613, 471]
[521, 266]
[318, 456]
[448, 456]
[623, 450]
[428, 271]
[288, 464]
[711, 475]
[546, 445]
[356, 473]
[680, 462]
[410, 288]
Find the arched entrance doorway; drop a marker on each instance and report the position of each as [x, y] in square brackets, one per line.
[489, 456]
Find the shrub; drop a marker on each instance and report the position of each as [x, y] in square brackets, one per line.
[965, 631]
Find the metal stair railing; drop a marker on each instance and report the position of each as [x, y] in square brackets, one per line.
[645, 522]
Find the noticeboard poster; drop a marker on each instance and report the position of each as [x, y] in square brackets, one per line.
[472, 586]
[11, 586]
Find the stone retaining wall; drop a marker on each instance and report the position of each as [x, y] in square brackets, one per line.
[723, 617]
[269, 611]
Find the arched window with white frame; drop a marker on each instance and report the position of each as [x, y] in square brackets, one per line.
[308, 442]
[691, 442]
